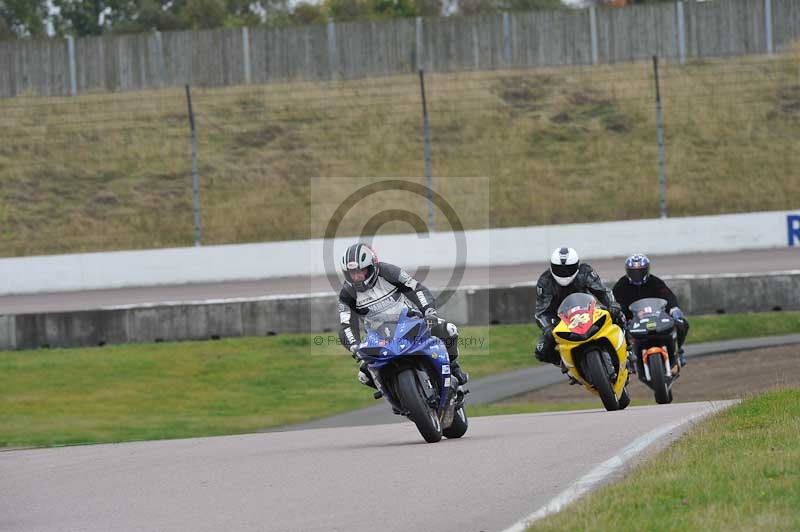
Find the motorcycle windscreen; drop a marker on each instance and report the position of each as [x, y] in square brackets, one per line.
[649, 305]
[577, 312]
[390, 325]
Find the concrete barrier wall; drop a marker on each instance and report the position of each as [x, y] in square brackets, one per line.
[96, 271]
[318, 314]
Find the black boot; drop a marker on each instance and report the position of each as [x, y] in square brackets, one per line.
[365, 377]
[455, 370]
[681, 357]
[631, 362]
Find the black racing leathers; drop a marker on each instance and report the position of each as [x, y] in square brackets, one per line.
[626, 293]
[550, 294]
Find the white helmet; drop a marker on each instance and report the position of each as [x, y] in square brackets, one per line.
[564, 264]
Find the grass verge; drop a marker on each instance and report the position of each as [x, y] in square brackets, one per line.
[736, 471]
[174, 390]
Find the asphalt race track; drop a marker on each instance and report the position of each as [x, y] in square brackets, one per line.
[785, 259]
[382, 477]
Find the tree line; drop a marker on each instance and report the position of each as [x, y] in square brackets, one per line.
[40, 18]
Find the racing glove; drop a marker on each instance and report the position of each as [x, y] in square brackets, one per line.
[431, 317]
[354, 352]
[616, 313]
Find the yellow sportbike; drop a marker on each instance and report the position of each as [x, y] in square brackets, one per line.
[593, 349]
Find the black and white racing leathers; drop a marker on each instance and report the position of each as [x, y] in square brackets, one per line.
[393, 291]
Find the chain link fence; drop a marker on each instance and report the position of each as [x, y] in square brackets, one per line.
[101, 172]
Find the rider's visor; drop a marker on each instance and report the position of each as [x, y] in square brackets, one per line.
[637, 275]
[564, 270]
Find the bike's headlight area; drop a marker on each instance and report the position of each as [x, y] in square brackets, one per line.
[411, 335]
[374, 352]
[575, 337]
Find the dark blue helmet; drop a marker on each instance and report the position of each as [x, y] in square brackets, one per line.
[637, 268]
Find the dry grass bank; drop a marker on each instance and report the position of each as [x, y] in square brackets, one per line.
[510, 148]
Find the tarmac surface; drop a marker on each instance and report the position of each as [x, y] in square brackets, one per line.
[353, 479]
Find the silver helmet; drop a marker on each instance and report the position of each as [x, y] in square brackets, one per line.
[360, 266]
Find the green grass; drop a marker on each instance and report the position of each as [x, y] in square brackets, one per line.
[174, 390]
[746, 325]
[739, 470]
[509, 148]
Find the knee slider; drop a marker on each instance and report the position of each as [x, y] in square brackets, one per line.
[452, 330]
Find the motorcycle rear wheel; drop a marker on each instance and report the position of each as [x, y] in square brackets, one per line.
[423, 416]
[459, 426]
[600, 379]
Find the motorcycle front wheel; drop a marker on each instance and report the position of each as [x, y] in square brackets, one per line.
[658, 379]
[422, 414]
[600, 380]
[624, 398]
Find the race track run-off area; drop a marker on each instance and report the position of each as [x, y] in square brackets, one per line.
[381, 477]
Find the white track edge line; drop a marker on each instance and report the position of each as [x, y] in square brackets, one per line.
[589, 481]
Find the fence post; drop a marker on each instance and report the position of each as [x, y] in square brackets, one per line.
[593, 33]
[507, 38]
[426, 138]
[418, 49]
[662, 180]
[73, 76]
[195, 179]
[681, 31]
[162, 80]
[768, 25]
[476, 49]
[246, 53]
[333, 56]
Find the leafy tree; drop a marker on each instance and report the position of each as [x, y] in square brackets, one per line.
[5, 31]
[383, 9]
[157, 15]
[241, 13]
[471, 7]
[204, 14]
[22, 18]
[305, 13]
[428, 8]
[93, 17]
[347, 10]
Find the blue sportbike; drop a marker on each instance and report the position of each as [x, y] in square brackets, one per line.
[411, 369]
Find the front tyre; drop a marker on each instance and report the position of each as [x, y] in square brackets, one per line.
[658, 379]
[422, 414]
[624, 398]
[459, 426]
[600, 379]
